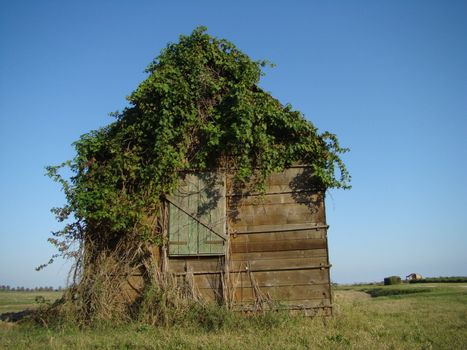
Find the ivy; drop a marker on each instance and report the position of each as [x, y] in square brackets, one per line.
[199, 108]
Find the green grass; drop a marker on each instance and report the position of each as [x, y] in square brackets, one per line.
[19, 301]
[435, 318]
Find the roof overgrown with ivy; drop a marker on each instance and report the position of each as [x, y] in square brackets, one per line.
[200, 107]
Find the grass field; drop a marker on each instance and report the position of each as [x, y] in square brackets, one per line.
[428, 316]
[19, 301]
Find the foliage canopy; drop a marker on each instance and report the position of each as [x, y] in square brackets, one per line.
[199, 108]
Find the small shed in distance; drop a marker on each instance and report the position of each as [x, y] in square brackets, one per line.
[247, 249]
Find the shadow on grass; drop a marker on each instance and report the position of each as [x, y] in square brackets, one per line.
[14, 316]
[383, 292]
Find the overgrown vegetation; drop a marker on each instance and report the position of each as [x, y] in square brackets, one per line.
[200, 108]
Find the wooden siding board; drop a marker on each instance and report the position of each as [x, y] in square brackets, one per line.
[261, 279]
[285, 176]
[276, 216]
[278, 236]
[290, 180]
[207, 281]
[299, 209]
[180, 265]
[278, 293]
[278, 245]
[279, 278]
[292, 262]
[235, 228]
[309, 199]
[312, 253]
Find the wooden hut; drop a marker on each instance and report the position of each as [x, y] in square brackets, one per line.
[248, 249]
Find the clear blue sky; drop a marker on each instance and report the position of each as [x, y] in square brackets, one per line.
[388, 77]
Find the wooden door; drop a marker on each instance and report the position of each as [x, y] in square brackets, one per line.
[197, 215]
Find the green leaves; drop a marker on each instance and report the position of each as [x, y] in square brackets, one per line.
[200, 107]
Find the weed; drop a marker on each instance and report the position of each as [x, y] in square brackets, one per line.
[338, 338]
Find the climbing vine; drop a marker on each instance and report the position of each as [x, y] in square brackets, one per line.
[199, 108]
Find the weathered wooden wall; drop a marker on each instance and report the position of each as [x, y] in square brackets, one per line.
[278, 244]
[275, 248]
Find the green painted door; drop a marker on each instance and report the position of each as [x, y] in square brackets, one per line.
[197, 215]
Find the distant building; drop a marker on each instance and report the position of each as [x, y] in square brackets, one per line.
[414, 277]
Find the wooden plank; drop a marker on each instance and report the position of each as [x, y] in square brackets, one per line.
[196, 264]
[286, 197]
[178, 242]
[278, 278]
[276, 215]
[278, 236]
[207, 281]
[279, 245]
[299, 178]
[207, 284]
[253, 229]
[312, 253]
[283, 177]
[209, 242]
[275, 208]
[288, 175]
[277, 263]
[220, 271]
[270, 190]
[282, 293]
[175, 231]
[182, 231]
[238, 195]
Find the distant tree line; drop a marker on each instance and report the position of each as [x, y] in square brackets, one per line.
[453, 279]
[6, 288]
